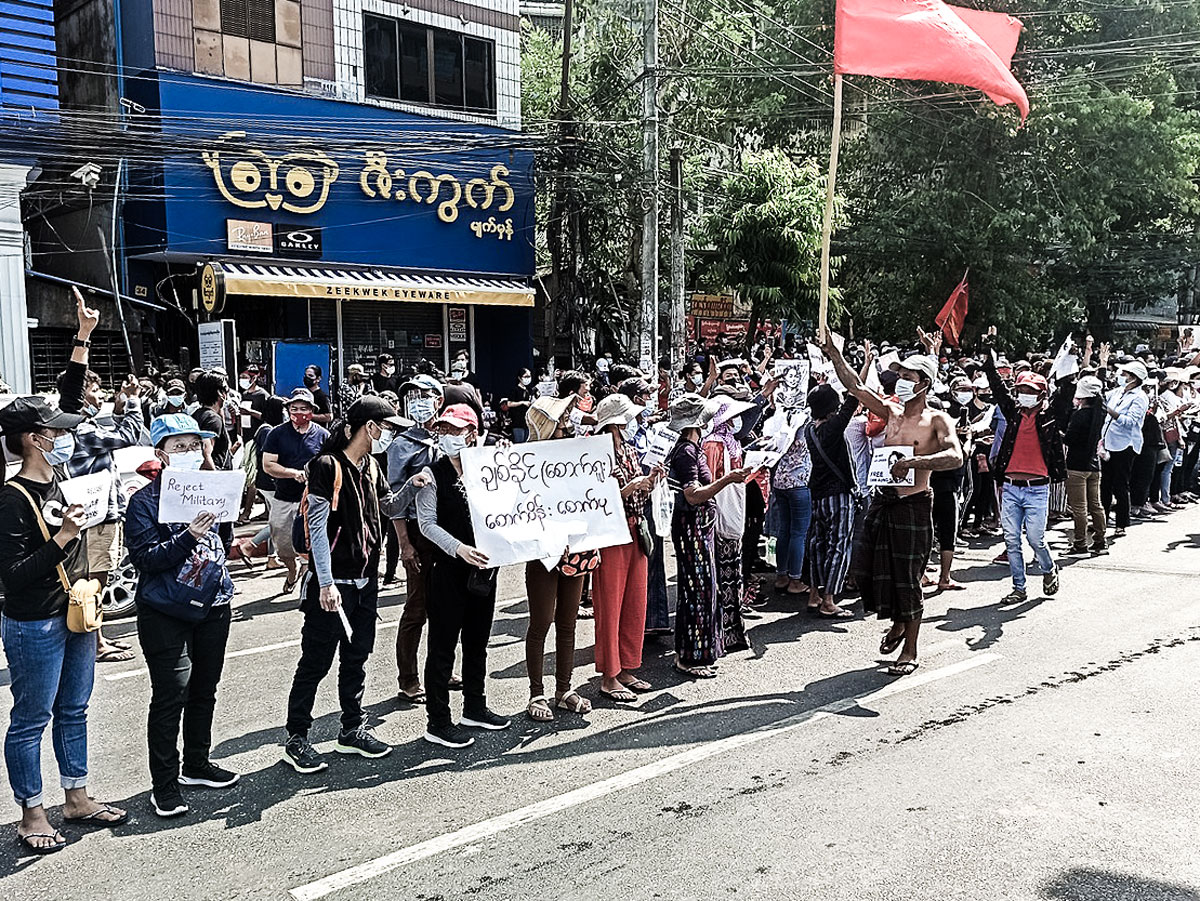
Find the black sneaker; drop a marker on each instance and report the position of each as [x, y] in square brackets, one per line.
[484, 719]
[208, 775]
[1078, 550]
[1050, 583]
[360, 741]
[167, 801]
[449, 736]
[303, 756]
[1099, 550]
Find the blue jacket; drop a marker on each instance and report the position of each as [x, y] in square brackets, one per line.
[179, 575]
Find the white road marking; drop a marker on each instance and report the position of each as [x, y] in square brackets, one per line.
[244, 652]
[468, 835]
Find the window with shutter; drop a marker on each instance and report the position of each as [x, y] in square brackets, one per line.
[254, 19]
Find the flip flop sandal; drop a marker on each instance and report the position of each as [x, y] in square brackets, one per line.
[539, 710]
[841, 614]
[116, 655]
[573, 702]
[887, 646]
[94, 820]
[638, 685]
[120, 645]
[907, 668]
[417, 697]
[696, 672]
[42, 849]
[620, 696]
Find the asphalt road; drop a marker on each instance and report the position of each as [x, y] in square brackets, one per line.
[1044, 750]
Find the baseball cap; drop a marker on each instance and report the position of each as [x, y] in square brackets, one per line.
[424, 383]
[355, 369]
[28, 413]
[302, 394]
[1032, 379]
[373, 408]
[923, 364]
[458, 415]
[175, 424]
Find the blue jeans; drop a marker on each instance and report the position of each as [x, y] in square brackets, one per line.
[1163, 494]
[794, 514]
[1025, 509]
[52, 671]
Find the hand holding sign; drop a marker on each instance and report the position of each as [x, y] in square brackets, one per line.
[91, 493]
[891, 466]
[201, 524]
[186, 494]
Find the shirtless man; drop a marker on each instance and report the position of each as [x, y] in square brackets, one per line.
[898, 533]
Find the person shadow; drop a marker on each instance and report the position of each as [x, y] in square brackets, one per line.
[1088, 884]
[991, 618]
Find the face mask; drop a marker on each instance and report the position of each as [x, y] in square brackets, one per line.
[64, 447]
[301, 420]
[630, 430]
[310, 380]
[189, 461]
[906, 390]
[452, 445]
[1028, 400]
[963, 397]
[735, 424]
[697, 379]
[525, 381]
[244, 384]
[175, 400]
[389, 371]
[90, 410]
[380, 445]
[419, 409]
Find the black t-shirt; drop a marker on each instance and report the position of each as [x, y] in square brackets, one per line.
[258, 399]
[321, 399]
[210, 421]
[28, 562]
[831, 435]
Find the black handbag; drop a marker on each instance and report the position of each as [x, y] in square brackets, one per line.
[481, 583]
[644, 539]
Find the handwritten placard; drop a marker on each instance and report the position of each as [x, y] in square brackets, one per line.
[882, 461]
[186, 494]
[533, 501]
[92, 492]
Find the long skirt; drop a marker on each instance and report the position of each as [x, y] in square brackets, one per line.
[699, 638]
[730, 589]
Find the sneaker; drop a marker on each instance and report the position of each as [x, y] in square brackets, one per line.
[484, 719]
[208, 775]
[1002, 557]
[1078, 550]
[168, 801]
[360, 741]
[1118, 532]
[449, 736]
[302, 755]
[1099, 550]
[1050, 583]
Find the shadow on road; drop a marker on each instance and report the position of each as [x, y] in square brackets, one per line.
[1100, 885]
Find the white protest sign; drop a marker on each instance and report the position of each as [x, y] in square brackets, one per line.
[533, 501]
[882, 460]
[547, 388]
[662, 442]
[90, 492]
[761, 459]
[186, 494]
[1066, 363]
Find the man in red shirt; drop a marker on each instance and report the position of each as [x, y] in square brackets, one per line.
[1030, 458]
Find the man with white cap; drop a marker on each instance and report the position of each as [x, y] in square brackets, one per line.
[1082, 437]
[1126, 407]
[898, 530]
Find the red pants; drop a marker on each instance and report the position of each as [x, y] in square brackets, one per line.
[619, 599]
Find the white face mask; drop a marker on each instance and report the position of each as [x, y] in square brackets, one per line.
[63, 450]
[175, 400]
[380, 445]
[735, 424]
[452, 445]
[963, 397]
[630, 429]
[697, 379]
[419, 409]
[189, 461]
[906, 390]
[244, 384]
[525, 380]
[1028, 400]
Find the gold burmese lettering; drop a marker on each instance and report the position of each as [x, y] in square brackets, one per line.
[423, 186]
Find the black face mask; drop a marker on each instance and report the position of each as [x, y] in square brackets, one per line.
[310, 380]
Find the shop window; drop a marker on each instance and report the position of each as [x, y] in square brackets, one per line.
[418, 64]
[254, 19]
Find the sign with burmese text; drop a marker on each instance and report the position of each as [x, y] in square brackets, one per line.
[536, 501]
[186, 494]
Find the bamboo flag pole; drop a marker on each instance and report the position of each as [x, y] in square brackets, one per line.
[827, 226]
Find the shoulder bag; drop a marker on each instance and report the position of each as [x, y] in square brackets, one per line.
[814, 443]
[731, 507]
[83, 598]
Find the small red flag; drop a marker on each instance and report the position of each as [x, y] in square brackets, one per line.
[928, 40]
[950, 320]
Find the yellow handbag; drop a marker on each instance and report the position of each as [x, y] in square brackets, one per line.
[83, 598]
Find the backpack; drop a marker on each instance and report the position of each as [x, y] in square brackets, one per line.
[300, 534]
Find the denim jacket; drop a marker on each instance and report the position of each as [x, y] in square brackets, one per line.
[178, 574]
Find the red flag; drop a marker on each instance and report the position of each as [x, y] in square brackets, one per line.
[950, 320]
[928, 40]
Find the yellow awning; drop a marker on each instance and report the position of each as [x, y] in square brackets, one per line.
[328, 283]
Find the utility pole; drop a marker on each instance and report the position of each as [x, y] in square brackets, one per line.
[558, 208]
[648, 326]
[678, 271]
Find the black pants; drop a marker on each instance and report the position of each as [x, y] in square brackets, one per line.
[756, 515]
[185, 661]
[321, 636]
[1114, 484]
[392, 550]
[453, 612]
[1141, 477]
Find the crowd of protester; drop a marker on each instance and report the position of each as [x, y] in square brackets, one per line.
[358, 490]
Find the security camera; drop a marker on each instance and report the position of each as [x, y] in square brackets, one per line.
[88, 174]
